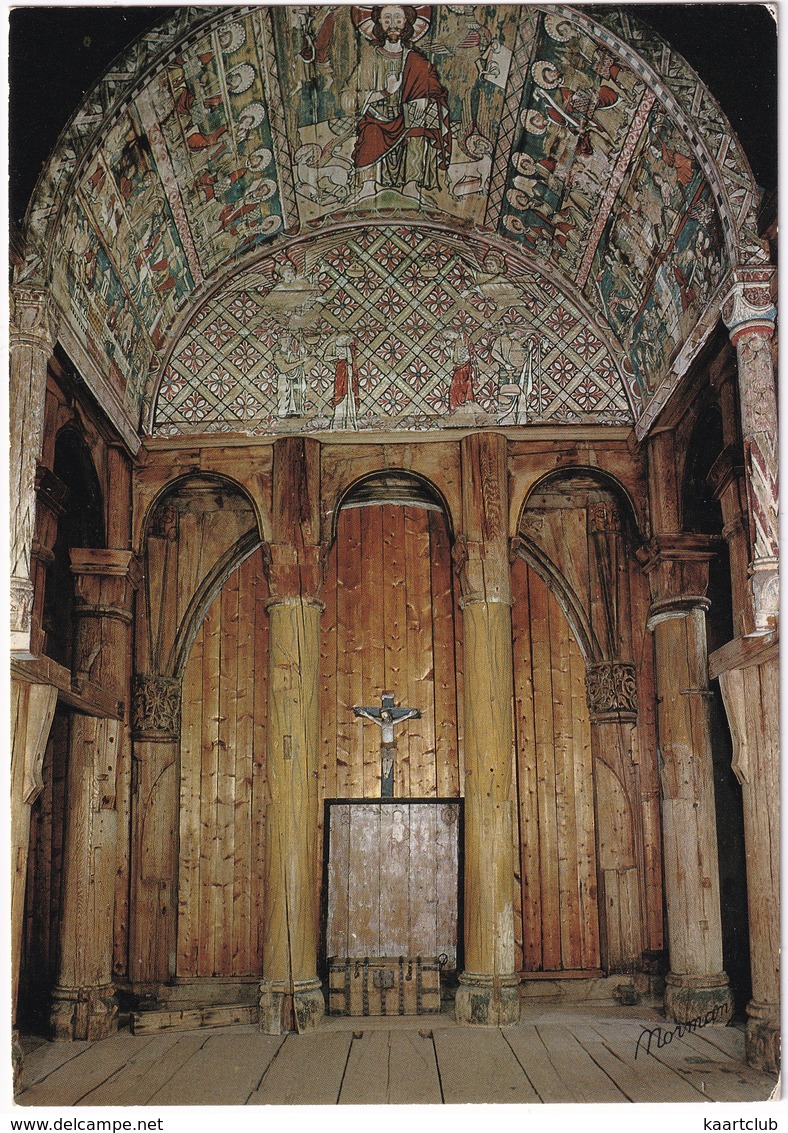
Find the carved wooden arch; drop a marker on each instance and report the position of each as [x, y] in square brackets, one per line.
[433, 495]
[568, 600]
[605, 479]
[143, 523]
[204, 596]
[170, 659]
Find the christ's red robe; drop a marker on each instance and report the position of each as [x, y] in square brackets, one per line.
[376, 138]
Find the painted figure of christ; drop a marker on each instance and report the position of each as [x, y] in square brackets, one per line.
[403, 133]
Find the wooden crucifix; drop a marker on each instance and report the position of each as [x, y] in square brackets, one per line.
[387, 717]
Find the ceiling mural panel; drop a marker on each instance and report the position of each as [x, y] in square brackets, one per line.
[547, 128]
[388, 328]
[579, 116]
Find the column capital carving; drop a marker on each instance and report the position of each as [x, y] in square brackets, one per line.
[34, 318]
[677, 566]
[106, 563]
[156, 707]
[749, 307]
[105, 582]
[612, 692]
[21, 604]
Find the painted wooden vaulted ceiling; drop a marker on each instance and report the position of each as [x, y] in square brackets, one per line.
[222, 243]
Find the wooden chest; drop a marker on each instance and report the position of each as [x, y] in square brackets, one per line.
[384, 985]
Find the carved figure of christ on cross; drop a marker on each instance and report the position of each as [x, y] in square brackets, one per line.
[387, 717]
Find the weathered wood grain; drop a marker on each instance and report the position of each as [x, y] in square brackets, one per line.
[386, 1067]
[285, 1083]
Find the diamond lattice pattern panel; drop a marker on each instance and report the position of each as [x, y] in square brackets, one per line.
[389, 328]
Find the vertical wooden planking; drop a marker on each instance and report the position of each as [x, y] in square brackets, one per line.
[447, 880]
[565, 786]
[242, 818]
[444, 664]
[545, 762]
[530, 854]
[423, 882]
[421, 661]
[337, 920]
[209, 789]
[371, 619]
[189, 851]
[225, 833]
[584, 811]
[395, 628]
[327, 788]
[350, 740]
[259, 764]
[364, 880]
[394, 867]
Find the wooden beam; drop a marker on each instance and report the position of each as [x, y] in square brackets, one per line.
[83, 695]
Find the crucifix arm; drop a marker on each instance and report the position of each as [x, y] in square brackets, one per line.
[406, 714]
[369, 715]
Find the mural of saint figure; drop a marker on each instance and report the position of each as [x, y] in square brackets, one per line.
[291, 377]
[461, 388]
[403, 132]
[345, 399]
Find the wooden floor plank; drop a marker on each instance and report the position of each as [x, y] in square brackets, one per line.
[285, 1083]
[589, 1081]
[226, 1070]
[77, 1077]
[544, 1076]
[729, 1040]
[479, 1066]
[391, 1068]
[724, 1079]
[48, 1057]
[641, 1081]
[147, 1072]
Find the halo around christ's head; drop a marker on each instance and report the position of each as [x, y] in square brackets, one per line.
[363, 19]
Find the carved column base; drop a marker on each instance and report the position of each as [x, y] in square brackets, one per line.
[698, 998]
[763, 1036]
[281, 1009]
[83, 1013]
[487, 1001]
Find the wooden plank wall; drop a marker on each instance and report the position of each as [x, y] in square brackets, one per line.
[222, 801]
[560, 928]
[41, 933]
[389, 624]
[393, 880]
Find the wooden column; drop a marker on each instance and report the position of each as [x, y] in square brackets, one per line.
[32, 337]
[677, 568]
[32, 709]
[748, 666]
[748, 669]
[83, 1000]
[290, 992]
[488, 993]
[749, 315]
